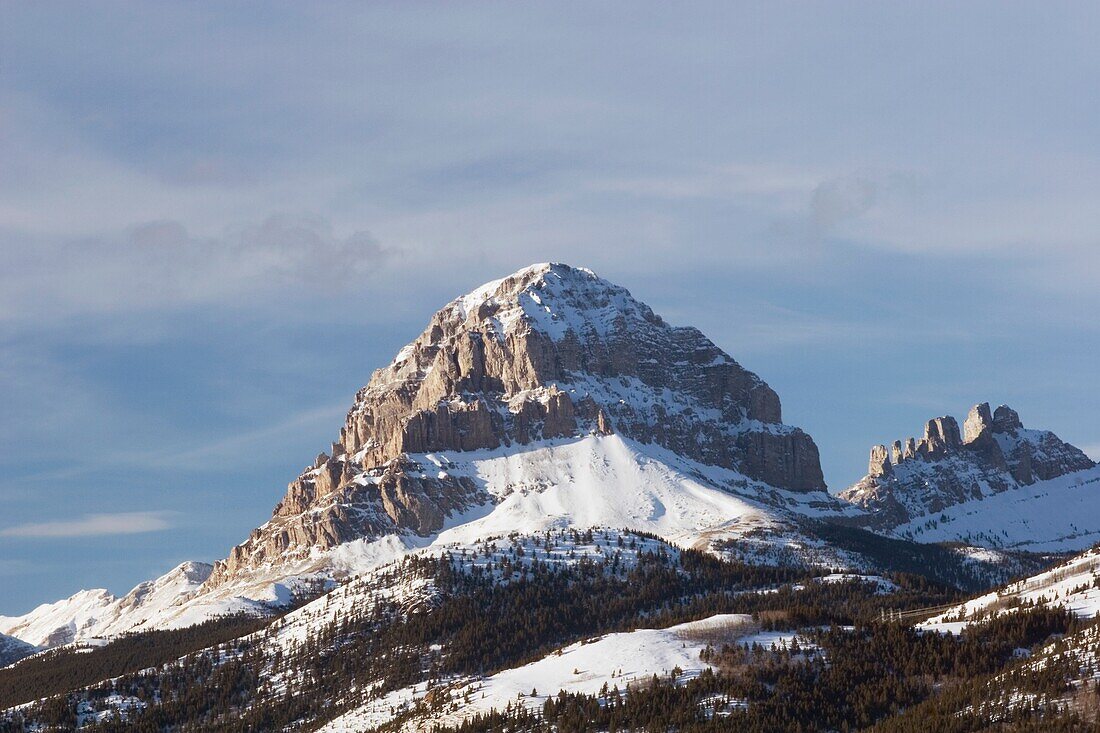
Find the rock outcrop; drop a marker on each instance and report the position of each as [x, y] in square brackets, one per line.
[549, 353]
[993, 453]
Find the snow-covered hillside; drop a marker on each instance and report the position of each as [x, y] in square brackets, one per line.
[615, 660]
[1059, 515]
[611, 481]
[1074, 584]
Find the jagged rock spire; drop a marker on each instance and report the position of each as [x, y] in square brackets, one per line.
[1006, 420]
[978, 423]
[994, 453]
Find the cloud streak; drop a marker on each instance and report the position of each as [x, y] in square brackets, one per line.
[163, 265]
[93, 525]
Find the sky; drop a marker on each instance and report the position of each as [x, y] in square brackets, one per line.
[217, 219]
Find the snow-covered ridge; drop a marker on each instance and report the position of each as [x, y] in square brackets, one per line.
[613, 661]
[96, 613]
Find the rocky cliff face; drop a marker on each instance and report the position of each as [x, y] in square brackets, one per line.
[992, 453]
[550, 352]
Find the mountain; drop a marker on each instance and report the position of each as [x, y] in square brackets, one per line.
[916, 479]
[548, 398]
[552, 399]
[554, 511]
[91, 614]
[545, 400]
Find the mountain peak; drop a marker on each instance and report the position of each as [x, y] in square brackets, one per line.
[551, 352]
[554, 298]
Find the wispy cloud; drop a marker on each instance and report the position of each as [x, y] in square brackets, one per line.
[162, 264]
[223, 451]
[93, 525]
[744, 181]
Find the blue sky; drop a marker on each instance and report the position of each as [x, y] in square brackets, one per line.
[216, 220]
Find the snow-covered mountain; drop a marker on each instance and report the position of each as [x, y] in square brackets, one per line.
[551, 462]
[96, 613]
[547, 398]
[912, 481]
[550, 398]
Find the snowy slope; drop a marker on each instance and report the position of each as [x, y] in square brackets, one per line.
[615, 660]
[52, 624]
[1059, 515]
[96, 613]
[612, 481]
[592, 481]
[1074, 584]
